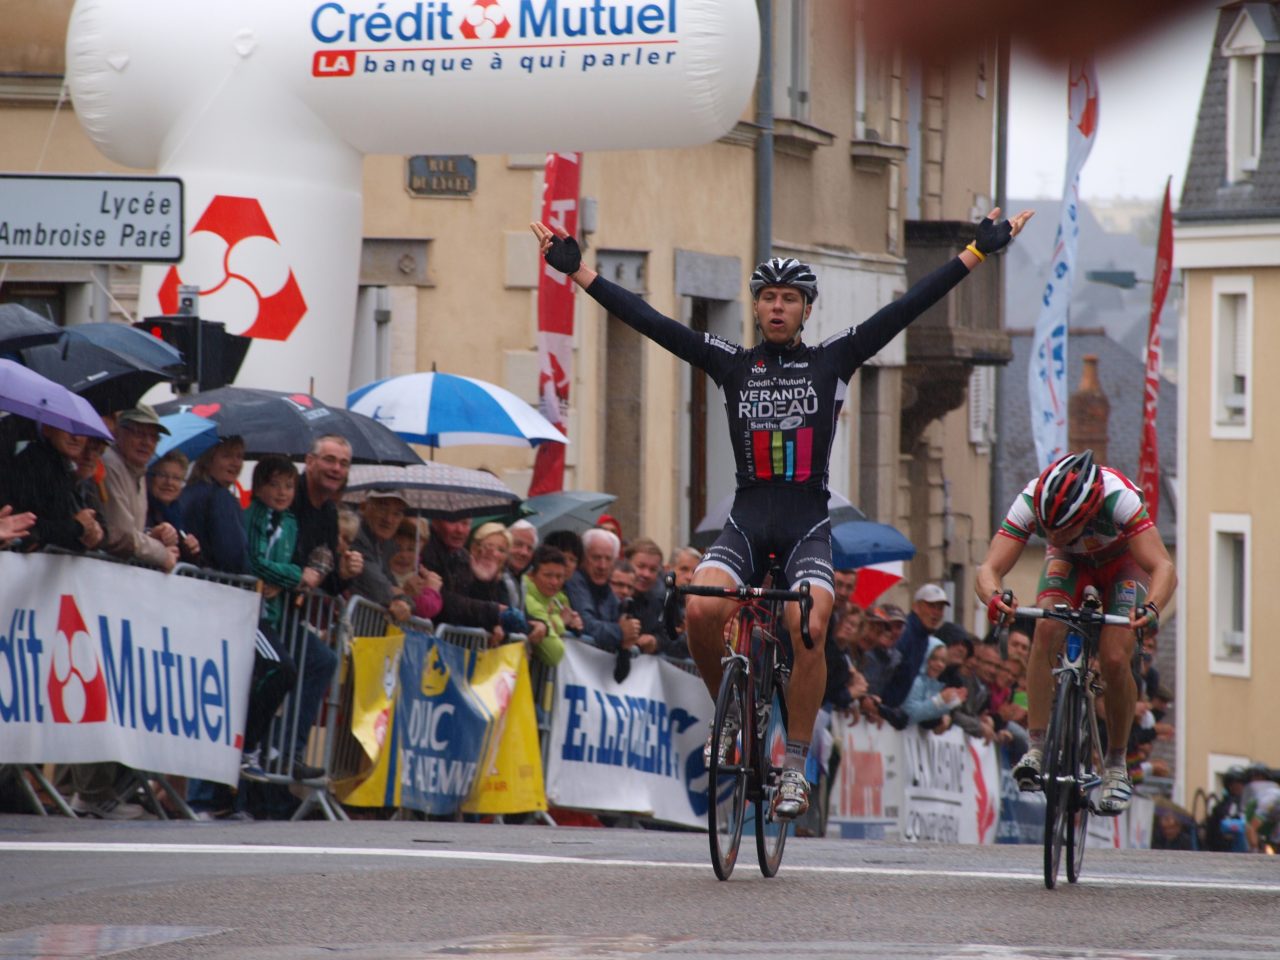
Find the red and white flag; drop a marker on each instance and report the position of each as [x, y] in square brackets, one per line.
[555, 320]
[1149, 459]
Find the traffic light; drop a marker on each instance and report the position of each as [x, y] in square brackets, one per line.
[211, 356]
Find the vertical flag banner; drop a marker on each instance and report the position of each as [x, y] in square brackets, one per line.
[555, 320]
[1149, 458]
[1047, 371]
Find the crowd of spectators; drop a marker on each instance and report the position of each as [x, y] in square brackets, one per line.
[295, 534]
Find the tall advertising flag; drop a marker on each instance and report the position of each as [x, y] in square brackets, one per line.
[555, 320]
[1149, 459]
[1047, 371]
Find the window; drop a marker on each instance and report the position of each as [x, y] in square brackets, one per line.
[791, 59]
[1244, 117]
[1244, 47]
[982, 401]
[1229, 648]
[1232, 383]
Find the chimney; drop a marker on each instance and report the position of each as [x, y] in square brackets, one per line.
[1088, 412]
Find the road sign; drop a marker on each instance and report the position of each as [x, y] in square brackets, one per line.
[90, 218]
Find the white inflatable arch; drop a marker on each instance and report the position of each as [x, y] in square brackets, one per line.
[264, 108]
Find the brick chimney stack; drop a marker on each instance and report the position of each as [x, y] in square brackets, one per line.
[1088, 413]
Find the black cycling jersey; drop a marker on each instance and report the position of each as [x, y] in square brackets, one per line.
[782, 402]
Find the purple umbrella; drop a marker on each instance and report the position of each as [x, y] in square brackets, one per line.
[38, 398]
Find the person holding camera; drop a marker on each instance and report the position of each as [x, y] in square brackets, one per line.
[590, 593]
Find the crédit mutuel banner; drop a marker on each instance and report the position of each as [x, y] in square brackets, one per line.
[102, 661]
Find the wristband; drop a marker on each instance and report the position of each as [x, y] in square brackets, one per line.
[973, 248]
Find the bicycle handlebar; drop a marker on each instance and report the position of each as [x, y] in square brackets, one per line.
[741, 594]
[1068, 615]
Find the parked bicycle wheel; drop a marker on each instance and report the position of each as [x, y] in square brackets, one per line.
[727, 781]
[1084, 767]
[1059, 766]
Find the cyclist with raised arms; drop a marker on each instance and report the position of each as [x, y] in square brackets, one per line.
[782, 398]
[1098, 533]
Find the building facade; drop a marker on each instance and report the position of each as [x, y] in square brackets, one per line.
[1227, 246]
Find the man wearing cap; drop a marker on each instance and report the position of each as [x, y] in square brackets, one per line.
[895, 619]
[137, 433]
[928, 611]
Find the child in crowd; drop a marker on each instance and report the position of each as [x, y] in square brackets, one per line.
[272, 532]
[545, 600]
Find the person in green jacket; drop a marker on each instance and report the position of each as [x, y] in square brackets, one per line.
[545, 600]
[272, 532]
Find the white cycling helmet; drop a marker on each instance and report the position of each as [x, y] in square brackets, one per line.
[785, 272]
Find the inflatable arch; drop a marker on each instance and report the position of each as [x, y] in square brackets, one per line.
[265, 109]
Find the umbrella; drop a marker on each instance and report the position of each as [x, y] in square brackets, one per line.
[108, 380]
[189, 433]
[20, 328]
[575, 510]
[288, 424]
[435, 490]
[861, 543]
[28, 394]
[709, 527]
[131, 343]
[443, 410]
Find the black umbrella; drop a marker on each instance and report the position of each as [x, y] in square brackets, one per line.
[130, 343]
[20, 328]
[105, 378]
[288, 424]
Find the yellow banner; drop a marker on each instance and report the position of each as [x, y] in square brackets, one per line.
[376, 665]
[511, 779]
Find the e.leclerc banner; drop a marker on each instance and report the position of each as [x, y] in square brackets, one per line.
[1149, 458]
[100, 661]
[632, 747]
[555, 320]
[1047, 369]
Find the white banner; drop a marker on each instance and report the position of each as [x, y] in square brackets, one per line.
[1047, 369]
[866, 795]
[913, 785]
[950, 787]
[631, 747]
[101, 661]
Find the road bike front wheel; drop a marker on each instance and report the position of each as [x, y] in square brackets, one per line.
[727, 781]
[771, 832]
[1084, 766]
[1058, 778]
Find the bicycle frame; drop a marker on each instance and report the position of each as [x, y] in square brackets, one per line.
[753, 675]
[1067, 778]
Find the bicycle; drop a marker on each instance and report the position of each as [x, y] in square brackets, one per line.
[1072, 746]
[752, 689]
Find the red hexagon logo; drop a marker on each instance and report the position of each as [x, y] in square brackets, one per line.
[238, 265]
[485, 20]
[77, 688]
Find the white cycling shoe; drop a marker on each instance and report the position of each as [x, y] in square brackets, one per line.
[792, 797]
[1117, 791]
[1027, 771]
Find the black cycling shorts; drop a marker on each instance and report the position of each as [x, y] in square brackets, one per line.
[787, 522]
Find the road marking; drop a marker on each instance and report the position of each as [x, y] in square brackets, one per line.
[488, 856]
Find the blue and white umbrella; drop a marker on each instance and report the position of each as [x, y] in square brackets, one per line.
[445, 410]
[189, 433]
